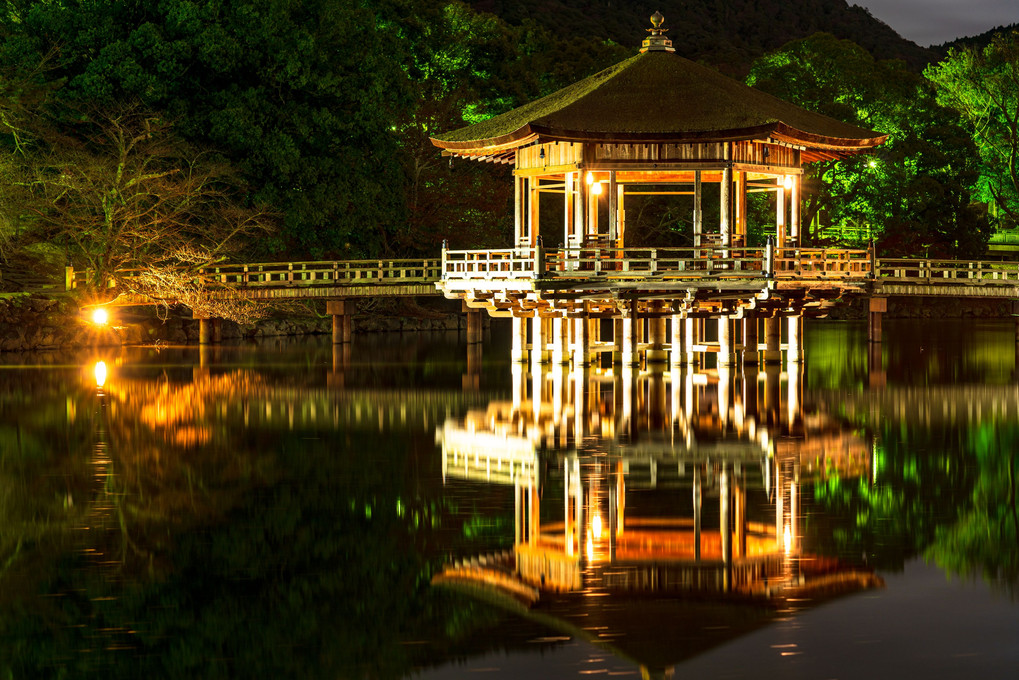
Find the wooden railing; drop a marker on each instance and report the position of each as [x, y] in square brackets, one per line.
[311, 274]
[640, 263]
[932, 271]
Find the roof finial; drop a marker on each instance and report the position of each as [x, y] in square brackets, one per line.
[657, 42]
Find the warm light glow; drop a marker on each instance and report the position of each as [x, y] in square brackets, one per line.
[100, 372]
[787, 539]
[596, 188]
[788, 182]
[100, 317]
[596, 526]
[590, 178]
[590, 548]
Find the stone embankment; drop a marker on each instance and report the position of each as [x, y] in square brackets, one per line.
[41, 323]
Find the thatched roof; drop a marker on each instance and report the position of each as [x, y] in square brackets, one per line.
[658, 96]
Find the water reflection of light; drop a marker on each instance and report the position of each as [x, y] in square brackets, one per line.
[590, 547]
[596, 526]
[787, 541]
[100, 371]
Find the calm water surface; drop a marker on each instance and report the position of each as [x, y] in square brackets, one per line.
[282, 510]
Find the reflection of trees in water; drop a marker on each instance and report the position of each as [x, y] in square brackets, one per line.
[278, 552]
[985, 540]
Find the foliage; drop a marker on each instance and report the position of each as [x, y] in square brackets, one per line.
[983, 85]
[297, 95]
[985, 540]
[916, 191]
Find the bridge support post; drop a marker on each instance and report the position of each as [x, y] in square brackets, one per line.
[583, 336]
[209, 330]
[475, 323]
[560, 341]
[617, 341]
[342, 314]
[518, 331]
[750, 341]
[631, 329]
[656, 336]
[773, 340]
[726, 353]
[794, 351]
[537, 342]
[876, 307]
[677, 351]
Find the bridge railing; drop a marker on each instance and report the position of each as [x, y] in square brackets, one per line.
[295, 274]
[934, 271]
[637, 263]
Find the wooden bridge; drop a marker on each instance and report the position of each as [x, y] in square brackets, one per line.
[615, 282]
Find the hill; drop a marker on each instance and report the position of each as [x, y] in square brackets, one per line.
[728, 34]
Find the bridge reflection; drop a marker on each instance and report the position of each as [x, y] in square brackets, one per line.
[653, 483]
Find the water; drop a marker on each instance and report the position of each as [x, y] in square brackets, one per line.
[282, 510]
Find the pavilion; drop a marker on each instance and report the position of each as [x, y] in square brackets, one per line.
[654, 124]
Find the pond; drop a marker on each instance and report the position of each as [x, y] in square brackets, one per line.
[396, 509]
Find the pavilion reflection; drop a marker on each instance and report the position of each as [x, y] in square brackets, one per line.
[675, 482]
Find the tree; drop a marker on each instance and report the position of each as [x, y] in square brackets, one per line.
[301, 97]
[916, 192]
[983, 85]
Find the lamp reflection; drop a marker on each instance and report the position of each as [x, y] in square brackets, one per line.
[100, 373]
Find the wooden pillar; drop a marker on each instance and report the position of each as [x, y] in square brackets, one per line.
[518, 211]
[677, 351]
[617, 340]
[692, 335]
[533, 221]
[537, 342]
[204, 330]
[750, 340]
[613, 211]
[631, 328]
[780, 226]
[698, 212]
[740, 221]
[726, 206]
[773, 340]
[474, 323]
[580, 209]
[568, 208]
[518, 336]
[620, 212]
[656, 332]
[794, 212]
[726, 353]
[560, 338]
[794, 344]
[583, 338]
[342, 313]
[877, 306]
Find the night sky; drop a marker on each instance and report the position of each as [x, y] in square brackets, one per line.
[928, 22]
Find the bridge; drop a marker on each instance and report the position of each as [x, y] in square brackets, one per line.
[652, 283]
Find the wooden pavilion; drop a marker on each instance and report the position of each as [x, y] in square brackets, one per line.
[654, 124]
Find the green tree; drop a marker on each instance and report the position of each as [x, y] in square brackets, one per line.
[915, 193]
[983, 85]
[300, 96]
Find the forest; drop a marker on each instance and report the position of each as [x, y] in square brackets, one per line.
[168, 136]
